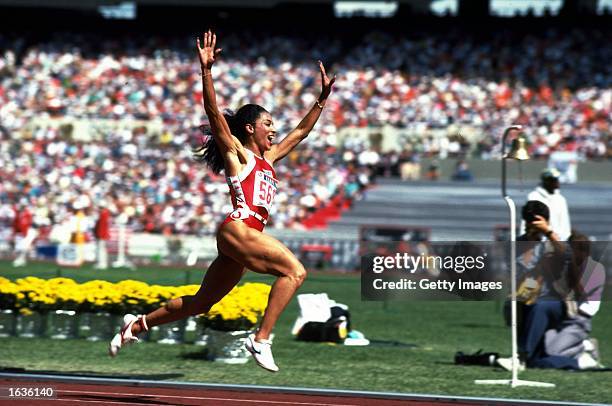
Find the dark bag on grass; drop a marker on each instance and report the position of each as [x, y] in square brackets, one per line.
[478, 358]
[334, 330]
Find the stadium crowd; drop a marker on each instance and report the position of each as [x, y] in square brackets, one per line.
[557, 84]
[158, 186]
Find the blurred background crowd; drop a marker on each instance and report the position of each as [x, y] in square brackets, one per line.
[558, 84]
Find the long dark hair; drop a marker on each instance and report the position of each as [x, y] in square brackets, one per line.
[580, 244]
[208, 152]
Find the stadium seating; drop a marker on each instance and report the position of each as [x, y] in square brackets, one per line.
[417, 82]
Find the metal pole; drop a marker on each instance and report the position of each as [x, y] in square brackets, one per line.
[512, 210]
[514, 382]
[514, 325]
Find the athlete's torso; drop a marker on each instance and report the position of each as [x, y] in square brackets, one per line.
[252, 192]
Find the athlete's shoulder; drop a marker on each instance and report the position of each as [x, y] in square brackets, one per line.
[267, 162]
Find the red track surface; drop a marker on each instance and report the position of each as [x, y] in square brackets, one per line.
[80, 394]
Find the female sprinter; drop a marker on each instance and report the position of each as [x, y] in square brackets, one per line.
[241, 145]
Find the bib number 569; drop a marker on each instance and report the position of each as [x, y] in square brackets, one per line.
[266, 192]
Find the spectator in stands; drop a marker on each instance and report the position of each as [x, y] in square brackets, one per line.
[409, 165]
[462, 172]
[433, 171]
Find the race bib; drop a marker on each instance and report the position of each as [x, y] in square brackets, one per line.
[265, 189]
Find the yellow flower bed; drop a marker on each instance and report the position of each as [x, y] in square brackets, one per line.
[241, 308]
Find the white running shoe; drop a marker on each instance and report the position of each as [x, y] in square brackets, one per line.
[124, 337]
[262, 352]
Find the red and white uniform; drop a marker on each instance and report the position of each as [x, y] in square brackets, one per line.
[253, 192]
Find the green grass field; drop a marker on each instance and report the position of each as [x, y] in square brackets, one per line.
[438, 329]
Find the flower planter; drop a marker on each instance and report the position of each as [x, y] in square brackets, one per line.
[171, 333]
[191, 330]
[31, 325]
[226, 346]
[97, 326]
[62, 324]
[37, 320]
[8, 323]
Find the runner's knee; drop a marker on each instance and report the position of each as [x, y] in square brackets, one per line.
[201, 306]
[297, 273]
